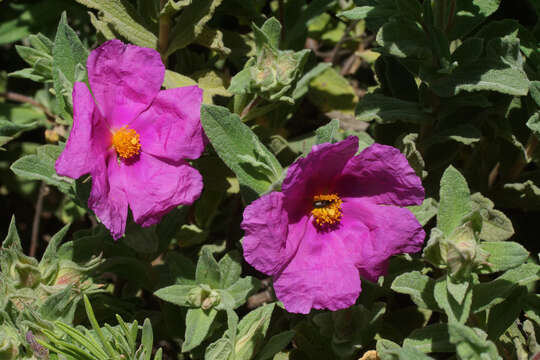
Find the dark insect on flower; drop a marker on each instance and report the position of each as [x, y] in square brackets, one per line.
[321, 203]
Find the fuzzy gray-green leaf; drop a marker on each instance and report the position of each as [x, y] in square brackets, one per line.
[455, 200]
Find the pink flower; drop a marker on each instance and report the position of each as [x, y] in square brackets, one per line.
[133, 139]
[338, 217]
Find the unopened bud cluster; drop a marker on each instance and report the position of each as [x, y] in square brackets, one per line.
[460, 252]
[204, 297]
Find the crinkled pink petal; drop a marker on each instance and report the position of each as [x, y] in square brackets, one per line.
[392, 231]
[88, 139]
[154, 187]
[321, 275]
[317, 173]
[265, 242]
[171, 127]
[382, 174]
[352, 231]
[124, 80]
[107, 198]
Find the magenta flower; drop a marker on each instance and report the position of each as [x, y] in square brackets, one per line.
[337, 218]
[134, 139]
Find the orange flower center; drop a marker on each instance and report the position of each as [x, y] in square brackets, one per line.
[126, 142]
[326, 209]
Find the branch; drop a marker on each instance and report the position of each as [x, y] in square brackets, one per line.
[43, 191]
[163, 36]
[9, 95]
[341, 41]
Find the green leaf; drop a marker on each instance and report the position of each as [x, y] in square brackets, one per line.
[506, 50]
[386, 109]
[173, 80]
[470, 14]
[525, 195]
[212, 83]
[357, 13]
[208, 271]
[503, 255]
[327, 133]
[241, 289]
[240, 149]
[455, 201]
[272, 29]
[534, 87]
[252, 330]
[531, 306]
[469, 51]
[330, 91]
[432, 338]
[455, 299]
[15, 119]
[482, 75]
[60, 306]
[302, 86]
[241, 82]
[181, 268]
[503, 315]
[275, 345]
[173, 6]
[68, 54]
[495, 225]
[395, 79]
[41, 167]
[230, 268]
[404, 353]
[410, 8]
[142, 240]
[219, 350]
[82, 339]
[126, 267]
[12, 239]
[296, 34]
[471, 345]
[198, 322]
[176, 294]
[496, 291]
[147, 339]
[125, 19]
[458, 290]
[404, 38]
[97, 329]
[419, 286]
[51, 252]
[426, 211]
[190, 23]
[68, 50]
[376, 13]
[407, 145]
[32, 56]
[534, 124]
[465, 134]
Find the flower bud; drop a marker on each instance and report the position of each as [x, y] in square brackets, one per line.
[459, 253]
[51, 136]
[9, 346]
[211, 300]
[204, 297]
[274, 72]
[25, 272]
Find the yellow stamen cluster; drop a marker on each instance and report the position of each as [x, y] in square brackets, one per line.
[326, 209]
[126, 142]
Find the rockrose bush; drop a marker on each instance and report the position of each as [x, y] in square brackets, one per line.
[270, 179]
